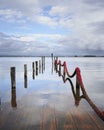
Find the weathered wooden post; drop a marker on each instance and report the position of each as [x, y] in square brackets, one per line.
[77, 100]
[36, 63]
[59, 69]
[25, 75]
[33, 70]
[13, 87]
[39, 66]
[13, 82]
[42, 64]
[52, 61]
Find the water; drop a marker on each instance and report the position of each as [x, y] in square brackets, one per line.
[46, 90]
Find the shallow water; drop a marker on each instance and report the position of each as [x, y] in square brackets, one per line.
[47, 90]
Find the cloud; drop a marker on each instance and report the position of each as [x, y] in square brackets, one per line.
[39, 44]
[98, 27]
[83, 20]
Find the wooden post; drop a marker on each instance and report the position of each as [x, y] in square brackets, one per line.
[13, 82]
[59, 70]
[13, 88]
[33, 70]
[36, 62]
[52, 61]
[42, 64]
[77, 100]
[39, 66]
[25, 75]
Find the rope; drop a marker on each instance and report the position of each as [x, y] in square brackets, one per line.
[79, 83]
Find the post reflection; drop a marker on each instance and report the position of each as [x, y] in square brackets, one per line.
[0, 104]
[13, 98]
[76, 92]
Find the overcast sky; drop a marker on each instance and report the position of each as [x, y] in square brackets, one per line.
[40, 27]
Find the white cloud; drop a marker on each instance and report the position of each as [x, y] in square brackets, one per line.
[10, 15]
[59, 11]
[46, 20]
[84, 19]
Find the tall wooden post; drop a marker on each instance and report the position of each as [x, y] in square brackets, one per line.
[13, 82]
[39, 66]
[25, 75]
[42, 64]
[36, 63]
[52, 61]
[59, 70]
[33, 70]
[77, 92]
[13, 87]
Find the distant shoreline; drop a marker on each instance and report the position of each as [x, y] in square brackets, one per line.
[55, 56]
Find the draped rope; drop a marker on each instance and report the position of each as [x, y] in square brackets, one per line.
[79, 83]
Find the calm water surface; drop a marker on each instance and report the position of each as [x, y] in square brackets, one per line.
[47, 88]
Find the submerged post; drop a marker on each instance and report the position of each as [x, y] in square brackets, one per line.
[13, 82]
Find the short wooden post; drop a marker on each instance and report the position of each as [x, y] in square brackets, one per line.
[25, 75]
[33, 70]
[13, 82]
[36, 63]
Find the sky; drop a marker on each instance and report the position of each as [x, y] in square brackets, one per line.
[42, 27]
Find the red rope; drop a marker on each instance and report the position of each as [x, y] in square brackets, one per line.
[80, 83]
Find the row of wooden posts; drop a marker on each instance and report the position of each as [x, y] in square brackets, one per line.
[37, 67]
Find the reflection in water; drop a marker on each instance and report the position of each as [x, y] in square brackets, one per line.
[79, 85]
[13, 97]
[0, 104]
[76, 94]
[37, 68]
